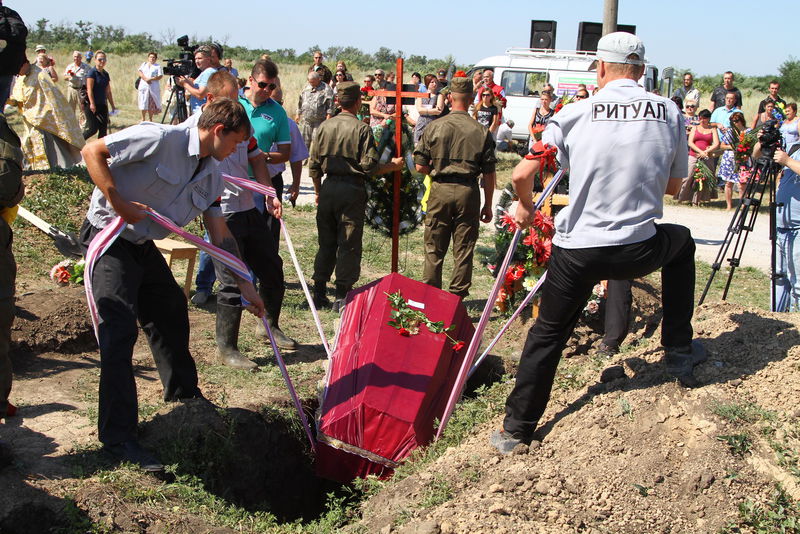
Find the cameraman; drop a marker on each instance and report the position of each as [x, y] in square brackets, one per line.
[607, 231]
[204, 58]
[787, 225]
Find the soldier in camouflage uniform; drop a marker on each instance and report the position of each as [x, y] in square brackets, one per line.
[11, 192]
[344, 151]
[455, 150]
[314, 106]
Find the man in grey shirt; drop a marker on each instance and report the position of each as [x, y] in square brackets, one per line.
[624, 149]
[173, 170]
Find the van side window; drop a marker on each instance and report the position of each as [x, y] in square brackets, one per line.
[522, 83]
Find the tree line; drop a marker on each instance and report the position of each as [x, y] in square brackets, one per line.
[116, 40]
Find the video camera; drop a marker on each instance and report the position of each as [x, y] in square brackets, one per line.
[184, 65]
[771, 138]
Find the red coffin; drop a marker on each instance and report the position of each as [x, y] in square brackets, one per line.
[383, 390]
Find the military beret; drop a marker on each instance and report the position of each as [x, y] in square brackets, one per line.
[348, 92]
[461, 85]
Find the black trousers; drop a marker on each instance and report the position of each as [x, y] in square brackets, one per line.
[257, 247]
[618, 310]
[97, 122]
[571, 275]
[132, 282]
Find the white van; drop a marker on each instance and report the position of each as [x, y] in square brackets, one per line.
[523, 72]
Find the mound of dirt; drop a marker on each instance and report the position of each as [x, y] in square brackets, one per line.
[631, 451]
[54, 320]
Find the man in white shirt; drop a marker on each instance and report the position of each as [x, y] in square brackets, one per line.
[608, 230]
[505, 143]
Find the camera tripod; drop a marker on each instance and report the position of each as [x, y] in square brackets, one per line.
[179, 93]
[761, 181]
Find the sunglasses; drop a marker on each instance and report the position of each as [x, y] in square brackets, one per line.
[487, 94]
[580, 97]
[692, 107]
[377, 75]
[266, 85]
[340, 74]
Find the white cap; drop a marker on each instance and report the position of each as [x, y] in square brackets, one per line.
[617, 47]
[41, 48]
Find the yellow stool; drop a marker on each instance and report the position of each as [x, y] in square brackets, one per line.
[172, 249]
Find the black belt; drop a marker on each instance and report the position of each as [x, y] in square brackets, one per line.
[454, 180]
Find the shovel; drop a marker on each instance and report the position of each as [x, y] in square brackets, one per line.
[66, 243]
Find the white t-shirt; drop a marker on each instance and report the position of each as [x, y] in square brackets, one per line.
[621, 147]
[504, 133]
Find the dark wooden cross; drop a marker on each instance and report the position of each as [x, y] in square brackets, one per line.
[399, 94]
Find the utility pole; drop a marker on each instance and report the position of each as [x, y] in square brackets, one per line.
[610, 8]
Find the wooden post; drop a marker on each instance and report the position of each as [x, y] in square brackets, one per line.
[610, 9]
[397, 94]
[398, 175]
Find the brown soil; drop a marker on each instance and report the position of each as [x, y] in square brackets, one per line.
[624, 449]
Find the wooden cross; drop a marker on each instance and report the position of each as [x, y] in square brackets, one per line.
[398, 94]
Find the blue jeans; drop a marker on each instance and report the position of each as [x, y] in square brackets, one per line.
[787, 289]
[204, 281]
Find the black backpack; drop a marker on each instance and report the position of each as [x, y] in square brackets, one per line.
[12, 29]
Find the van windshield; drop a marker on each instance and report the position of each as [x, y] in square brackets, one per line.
[523, 83]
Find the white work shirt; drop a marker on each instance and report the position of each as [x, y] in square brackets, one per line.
[160, 166]
[234, 199]
[621, 147]
[297, 152]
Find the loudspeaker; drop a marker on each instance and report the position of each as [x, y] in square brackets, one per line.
[543, 34]
[591, 32]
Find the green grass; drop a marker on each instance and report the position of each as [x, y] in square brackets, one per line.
[738, 444]
[779, 515]
[749, 287]
[741, 412]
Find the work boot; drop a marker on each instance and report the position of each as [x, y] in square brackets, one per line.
[273, 301]
[341, 295]
[228, 320]
[320, 298]
[680, 362]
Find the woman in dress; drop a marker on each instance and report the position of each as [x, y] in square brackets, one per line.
[52, 135]
[486, 112]
[149, 91]
[542, 114]
[98, 96]
[789, 127]
[703, 140]
[727, 170]
[379, 112]
[428, 108]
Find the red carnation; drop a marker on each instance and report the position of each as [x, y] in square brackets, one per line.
[403, 332]
[457, 346]
[508, 221]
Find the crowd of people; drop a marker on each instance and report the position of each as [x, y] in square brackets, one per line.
[238, 126]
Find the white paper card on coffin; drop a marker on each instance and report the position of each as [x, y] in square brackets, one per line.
[420, 305]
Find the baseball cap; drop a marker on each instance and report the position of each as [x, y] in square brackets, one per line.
[461, 86]
[617, 47]
[348, 92]
[40, 48]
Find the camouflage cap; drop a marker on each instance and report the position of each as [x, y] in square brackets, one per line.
[461, 86]
[348, 92]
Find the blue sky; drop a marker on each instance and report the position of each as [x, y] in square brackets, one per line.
[678, 33]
